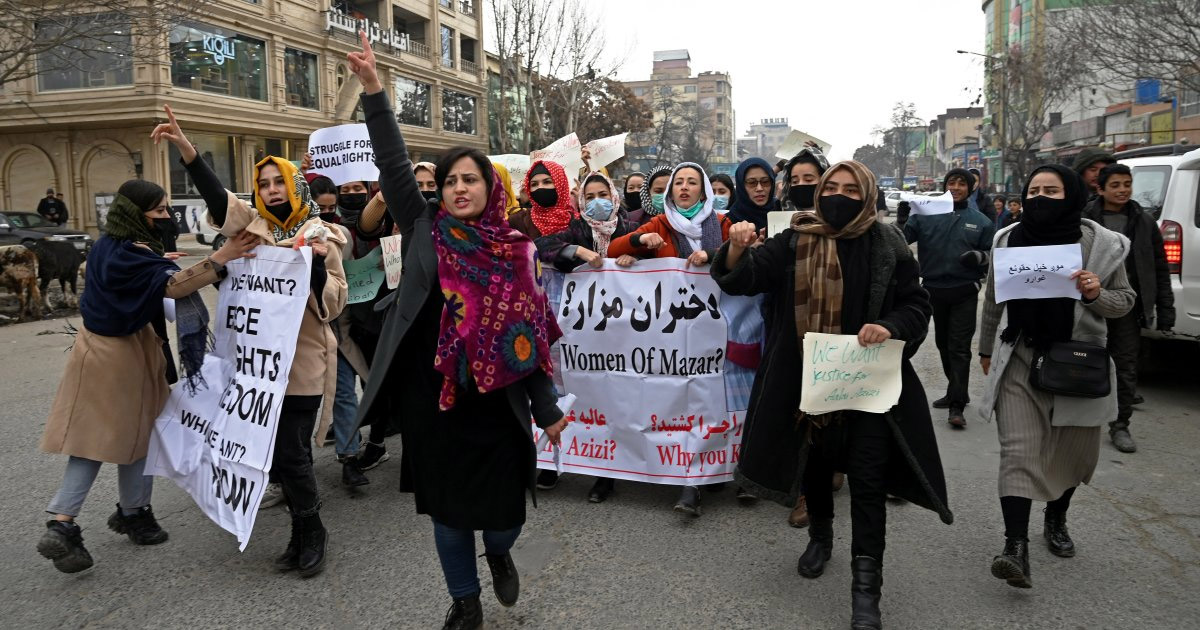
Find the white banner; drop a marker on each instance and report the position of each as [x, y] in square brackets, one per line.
[648, 353]
[797, 140]
[517, 165]
[925, 204]
[566, 152]
[839, 374]
[1034, 273]
[343, 154]
[605, 151]
[217, 443]
[393, 259]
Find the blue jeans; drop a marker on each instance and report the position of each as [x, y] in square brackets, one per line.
[345, 409]
[456, 550]
[134, 487]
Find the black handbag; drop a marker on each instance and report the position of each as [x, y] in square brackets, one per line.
[1072, 368]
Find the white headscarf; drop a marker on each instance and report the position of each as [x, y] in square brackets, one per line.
[690, 228]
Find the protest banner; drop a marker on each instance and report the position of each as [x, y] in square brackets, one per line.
[343, 154]
[605, 151]
[796, 141]
[925, 204]
[648, 354]
[217, 442]
[1034, 273]
[364, 277]
[839, 374]
[566, 151]
[778, 221]
[393, 259]
[517, 165]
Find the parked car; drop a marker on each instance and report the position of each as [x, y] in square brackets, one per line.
[29, 227]
[1168, 186]
[892, 199]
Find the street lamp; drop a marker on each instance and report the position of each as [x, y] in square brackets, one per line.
[1003, 109]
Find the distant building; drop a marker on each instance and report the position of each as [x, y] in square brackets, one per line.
[955, 137]
[764, 138]
[710, 92]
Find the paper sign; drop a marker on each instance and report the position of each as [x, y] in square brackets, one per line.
[217, 442]
[343, 154]
[566, 152]
[1034, 273]
[364, 277]
[924, 204]
[605, 151]
[796, 141]
[393, 259]
[517, 165]
[838, 374]
[778, 221]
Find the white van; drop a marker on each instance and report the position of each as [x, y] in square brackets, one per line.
[195, 217]
[1168, 186]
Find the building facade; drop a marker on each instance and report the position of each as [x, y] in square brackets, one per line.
[245, 79]
[711, 93]
[764, 138]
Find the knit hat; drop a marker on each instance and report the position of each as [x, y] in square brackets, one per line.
[1090, 156]
[959, 172]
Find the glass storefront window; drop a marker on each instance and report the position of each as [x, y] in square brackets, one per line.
[99, 56]
[300, 72]
[218, 151]
[412, 102]
[212, 59]
[458, 112]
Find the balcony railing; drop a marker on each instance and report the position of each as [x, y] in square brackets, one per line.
[418, 49]
[447, 63]
[469, 67]
[467, 7]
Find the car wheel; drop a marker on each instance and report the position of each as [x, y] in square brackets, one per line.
[28, 242]
[218, 242]
[200, 239]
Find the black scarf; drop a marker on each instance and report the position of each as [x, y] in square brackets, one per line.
[1042, 322]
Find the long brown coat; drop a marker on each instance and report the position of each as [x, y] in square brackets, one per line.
[113, 388]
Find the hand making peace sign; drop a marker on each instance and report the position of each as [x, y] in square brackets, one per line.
[362, 64]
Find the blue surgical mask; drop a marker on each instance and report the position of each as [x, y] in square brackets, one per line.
[657, 202]
[599, 209]
[720, 202]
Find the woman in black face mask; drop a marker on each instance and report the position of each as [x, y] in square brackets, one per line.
[836, 270]
[1049, 443]
[803, 172]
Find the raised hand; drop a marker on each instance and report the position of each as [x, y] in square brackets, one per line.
[651, 240]
[362, 64]
[742, 235]
[171, 132]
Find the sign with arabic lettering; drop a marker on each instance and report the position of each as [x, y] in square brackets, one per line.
[1034, 273]
[661, 364]
[839, 374]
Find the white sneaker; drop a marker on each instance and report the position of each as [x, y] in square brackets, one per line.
[272, 496]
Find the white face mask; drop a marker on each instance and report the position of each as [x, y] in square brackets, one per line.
[720, 202]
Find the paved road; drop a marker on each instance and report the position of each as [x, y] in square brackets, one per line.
[629, 563]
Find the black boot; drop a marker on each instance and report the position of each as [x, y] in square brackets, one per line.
[352, 476]
[505, 580]
[63, 543]
[464, 614]
[820, 548]
[601, 490]
[689, 501]
[1012, 564]
[314, 541]
[1057, 538]
[141, 527]
[290, 560]
[867, 580]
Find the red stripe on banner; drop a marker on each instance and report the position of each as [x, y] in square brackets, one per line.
[634, 472]
[690, 273]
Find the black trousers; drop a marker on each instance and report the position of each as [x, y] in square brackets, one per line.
[954, 313]
[291, 465]
[1124, 345]
[860, 446]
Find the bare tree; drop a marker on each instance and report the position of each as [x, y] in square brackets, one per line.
[902, 136]
[1134, 39]
[87, 35]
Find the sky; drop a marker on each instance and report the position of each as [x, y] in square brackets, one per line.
[833, 68]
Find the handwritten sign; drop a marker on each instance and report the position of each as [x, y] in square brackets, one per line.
[925, 204]
[517, 165]
[778, 221]
[217, 442]
[605, 151]
[840, 375]
[657, 358]
[796, 141]
[364, 277]
[1034, 273]
[343, 154]
[566, 151]
[393, 259]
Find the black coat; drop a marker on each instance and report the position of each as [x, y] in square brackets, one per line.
[1146, 264]
[554, 247]
[533, 396]
[774, 446]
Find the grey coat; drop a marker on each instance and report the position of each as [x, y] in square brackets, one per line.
[1104, 253]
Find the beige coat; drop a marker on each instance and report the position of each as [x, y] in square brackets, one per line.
[314, 366]
[113, 388]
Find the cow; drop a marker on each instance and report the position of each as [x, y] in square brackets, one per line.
[19, 274]
[58, 261]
